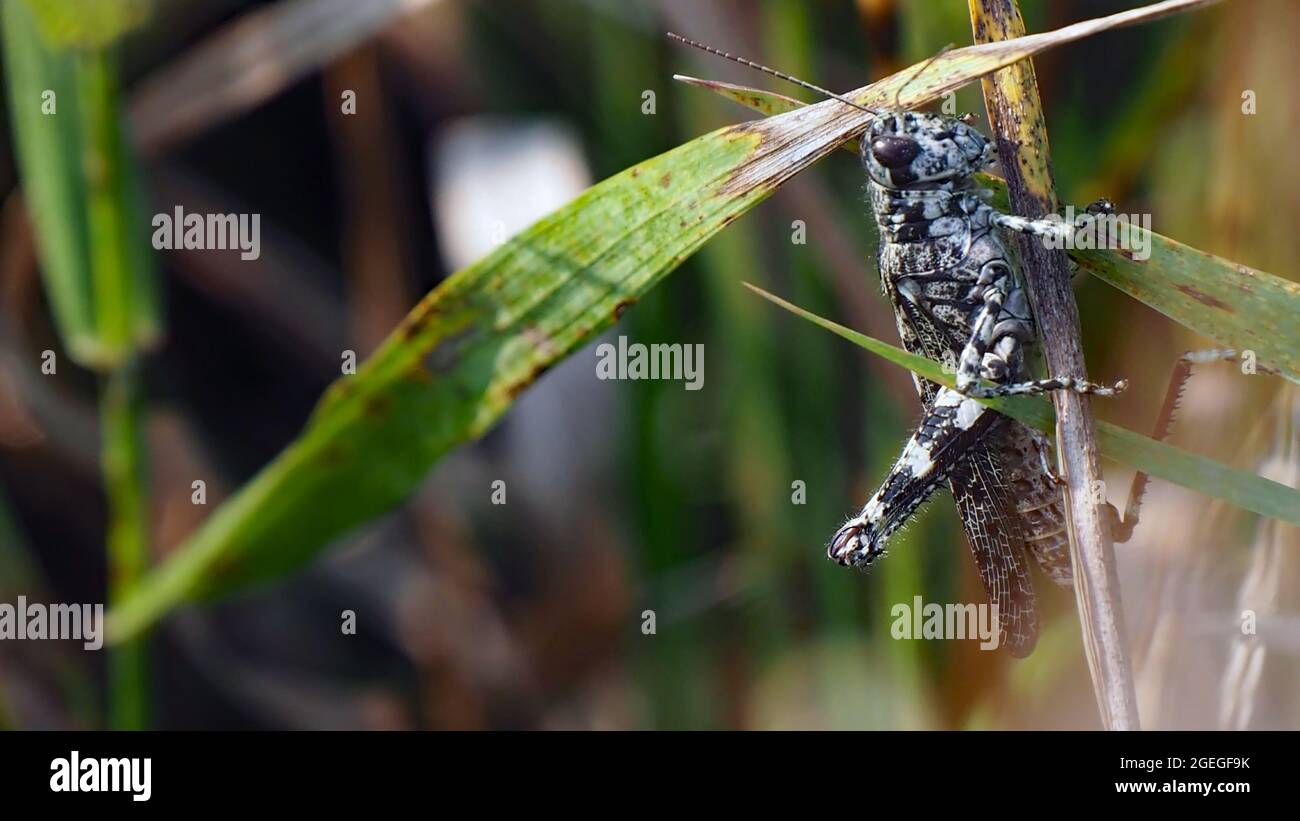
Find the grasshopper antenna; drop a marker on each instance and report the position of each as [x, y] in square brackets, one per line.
[899, 91]
[760, 67]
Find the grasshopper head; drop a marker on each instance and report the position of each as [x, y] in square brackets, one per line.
[917, 150]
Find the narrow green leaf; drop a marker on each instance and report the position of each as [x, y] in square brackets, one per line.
[455, 364]
[83, 193]
[49, 160]
[121, 260]
[88, 24]
[1231, 303]
[1245, 490]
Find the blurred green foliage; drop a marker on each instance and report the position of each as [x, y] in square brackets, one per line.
[88, 24]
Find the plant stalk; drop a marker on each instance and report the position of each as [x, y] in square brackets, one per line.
[122, 448]
[1016, 118]
[128, 551]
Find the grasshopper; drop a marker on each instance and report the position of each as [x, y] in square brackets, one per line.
[959, 298]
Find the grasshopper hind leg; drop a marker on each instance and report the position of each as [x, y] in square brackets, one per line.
[951, 426]
[1122, 527]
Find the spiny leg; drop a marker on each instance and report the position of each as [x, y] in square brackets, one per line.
[1040, 386]
[950, 427]
[1004, 335]
[1052, 226]
[1121, 528]
[1045, 227]
[1098, 207]
[993, 288]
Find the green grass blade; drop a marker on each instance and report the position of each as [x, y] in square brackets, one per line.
[455, 364]
[1245, 490]
[83, 193]
[1237, 306]
[88, 24]
[468, 349]
[122, 260]
[86, 200]
[128, 538]
[48, 153]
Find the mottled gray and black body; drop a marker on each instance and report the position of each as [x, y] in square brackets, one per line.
[959, 298]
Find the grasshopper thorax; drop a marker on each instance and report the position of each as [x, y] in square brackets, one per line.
[915, 150]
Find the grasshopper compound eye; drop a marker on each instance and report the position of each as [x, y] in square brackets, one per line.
[894, 152]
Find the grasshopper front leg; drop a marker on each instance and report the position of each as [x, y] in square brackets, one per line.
[1053, 227]
[999, 332]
